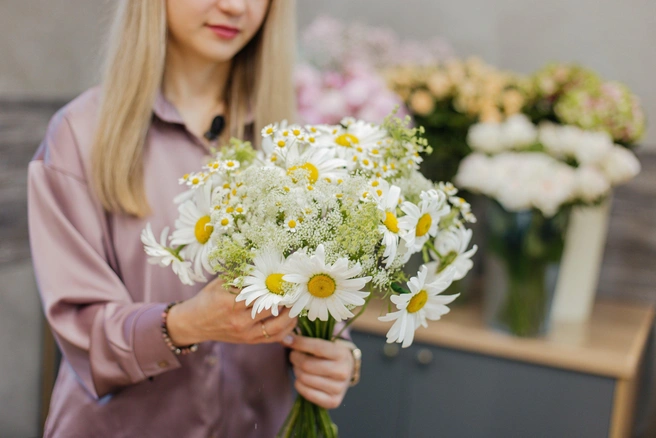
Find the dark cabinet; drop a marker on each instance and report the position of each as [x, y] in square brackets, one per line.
[429, 391]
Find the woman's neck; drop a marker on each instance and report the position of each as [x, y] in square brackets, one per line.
[195, 86]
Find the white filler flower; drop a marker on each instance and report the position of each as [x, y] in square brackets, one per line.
[323, 288]
[421, 304]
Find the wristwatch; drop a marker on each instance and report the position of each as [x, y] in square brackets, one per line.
[357, 365]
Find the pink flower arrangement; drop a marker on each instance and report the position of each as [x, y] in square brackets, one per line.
[341, 73]
[358, 91]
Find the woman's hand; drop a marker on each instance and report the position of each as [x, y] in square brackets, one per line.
[323, 369]
[213, 315]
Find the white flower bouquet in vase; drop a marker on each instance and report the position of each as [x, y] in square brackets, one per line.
[320, 220]
[534, 175]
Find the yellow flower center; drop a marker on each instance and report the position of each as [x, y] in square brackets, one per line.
[269, 131]
[291, 224]
[202, 230]
[379, 192]
[347, 140]
[391, 222]
[230, 164]
[281, 143]
[240, 210]
[417, 302]
[297, 132]
[375, 184]
[225, 222]
[423, 224]
[311, 140]
[365, 162]
[229, 210]
[314, 172]
[274, 283]
[321, 286]
[195, 181]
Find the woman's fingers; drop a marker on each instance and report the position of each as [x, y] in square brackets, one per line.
[318, 397]
[278, 327]
[320, 383]
[319, 347]
[336, 370]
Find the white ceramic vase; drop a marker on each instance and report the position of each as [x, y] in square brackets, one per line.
[581, 264]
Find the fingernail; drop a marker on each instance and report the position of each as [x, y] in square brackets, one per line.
[288, 340]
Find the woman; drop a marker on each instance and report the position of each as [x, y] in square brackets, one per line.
[107, 166]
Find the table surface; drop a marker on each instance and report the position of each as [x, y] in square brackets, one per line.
[610, 344]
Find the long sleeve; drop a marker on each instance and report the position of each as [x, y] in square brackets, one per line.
[109, 340]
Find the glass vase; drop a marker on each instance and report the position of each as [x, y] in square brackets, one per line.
[523, 255]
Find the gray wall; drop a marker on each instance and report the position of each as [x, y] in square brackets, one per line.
[51, 48]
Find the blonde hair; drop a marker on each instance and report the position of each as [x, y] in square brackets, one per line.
[260, 84]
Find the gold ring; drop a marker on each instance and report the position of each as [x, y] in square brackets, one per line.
[264, 332]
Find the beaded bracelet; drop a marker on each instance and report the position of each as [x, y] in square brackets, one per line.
[167, 339]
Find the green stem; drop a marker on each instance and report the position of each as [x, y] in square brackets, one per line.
[350, 321]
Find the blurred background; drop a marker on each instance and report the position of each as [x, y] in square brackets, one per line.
[50, 52]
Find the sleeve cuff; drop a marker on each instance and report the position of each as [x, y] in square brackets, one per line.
[151, 352]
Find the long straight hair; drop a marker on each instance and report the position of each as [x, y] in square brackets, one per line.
[260, 84]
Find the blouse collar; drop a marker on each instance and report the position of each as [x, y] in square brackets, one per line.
[167, 112]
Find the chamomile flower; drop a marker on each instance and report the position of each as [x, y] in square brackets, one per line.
[230, 165]
[195, 180]
[194, 229]
[322, 288]
[389, 226]
[160, 254]
[269, 130]
[264, 286]
[225, 221]
[423, 303]
[451, 246]
[420, 221]
[317, 163]
[291, 225]
[356, 134]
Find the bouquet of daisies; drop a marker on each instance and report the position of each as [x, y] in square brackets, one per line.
[320, 220]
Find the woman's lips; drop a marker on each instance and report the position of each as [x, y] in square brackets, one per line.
[225, 32]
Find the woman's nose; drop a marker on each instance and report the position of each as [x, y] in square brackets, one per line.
[232, 7]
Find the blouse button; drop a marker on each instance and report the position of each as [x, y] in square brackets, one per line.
[163, 364]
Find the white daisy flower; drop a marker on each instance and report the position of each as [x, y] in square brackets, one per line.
[420, 222]
[356, 134]
[448, 188]
[265, 285]
[196, 180]
[230, 165]
[194, 229]
[269, 130]
[318, 163]
[421, 304]
[213, 166]
[451, 246]
[225, 221]
[160, 254]
[291, 225]
[390, 224]
[269, 136]
[323, 288]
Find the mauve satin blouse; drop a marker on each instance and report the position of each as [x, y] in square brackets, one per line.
[104, 302]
